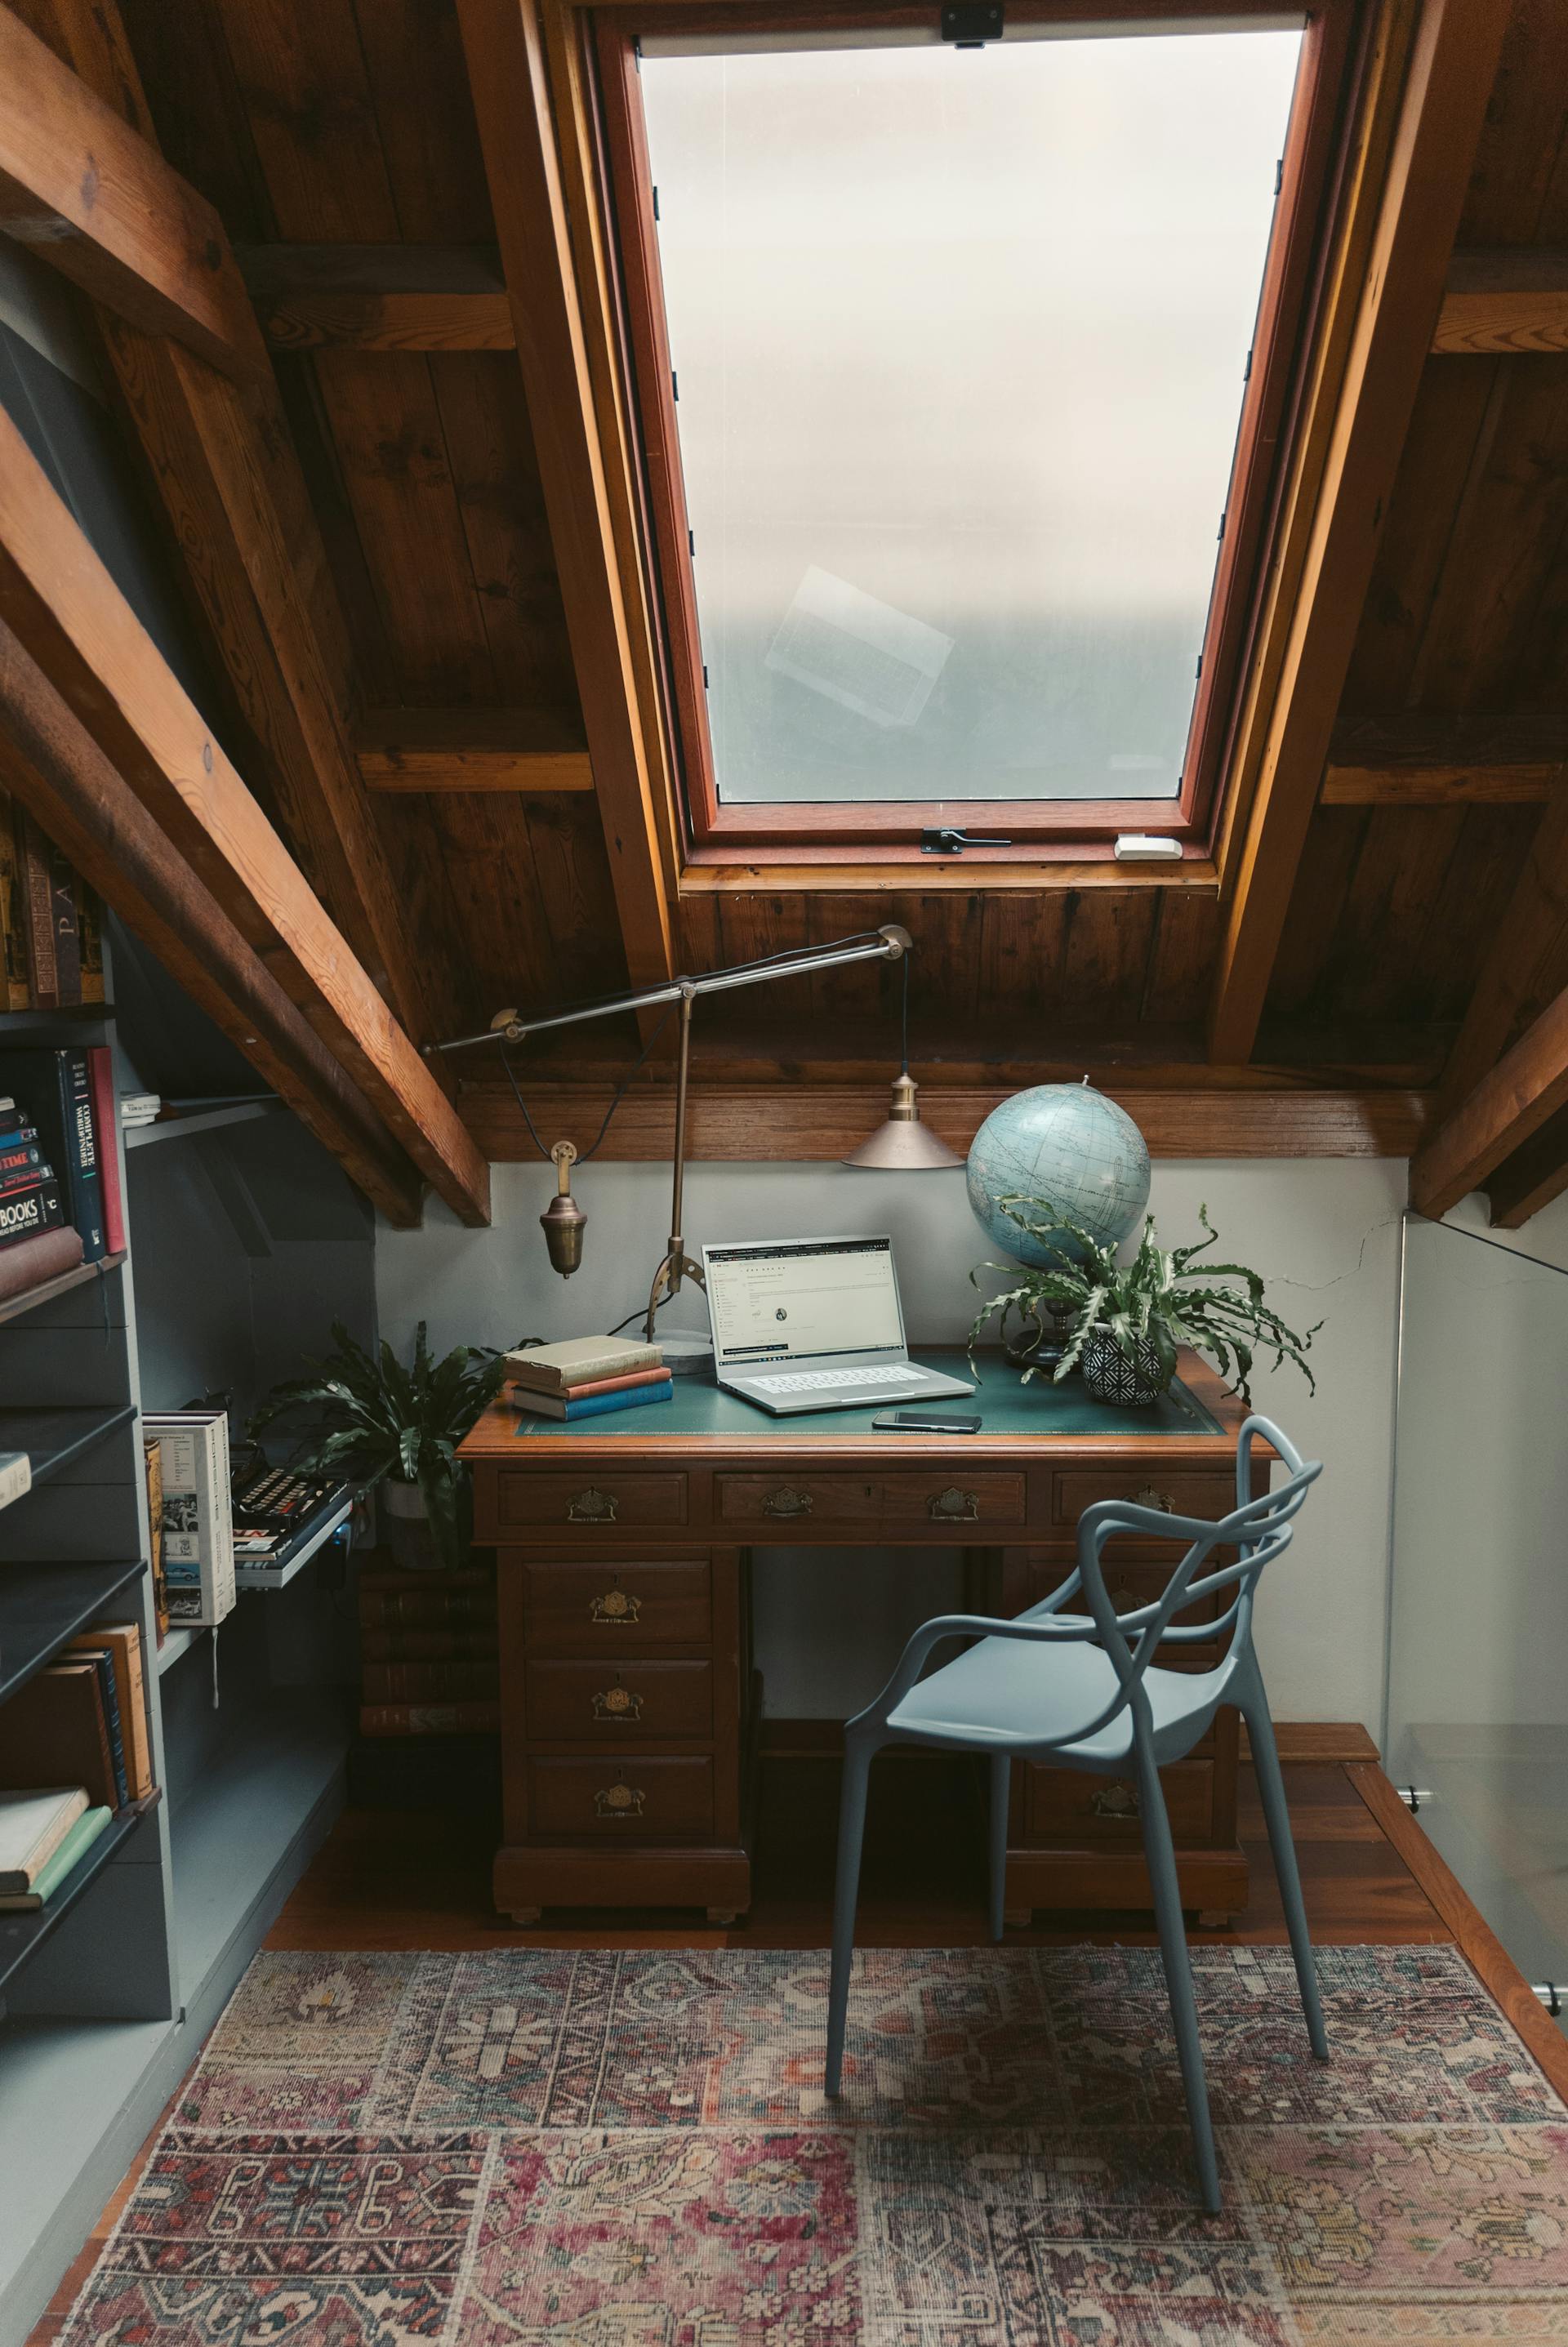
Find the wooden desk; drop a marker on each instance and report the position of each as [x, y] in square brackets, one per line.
[630, 1702]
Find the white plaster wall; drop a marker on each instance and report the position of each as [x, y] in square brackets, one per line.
[1323, 1231]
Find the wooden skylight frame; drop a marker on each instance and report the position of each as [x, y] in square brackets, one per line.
[823, 834]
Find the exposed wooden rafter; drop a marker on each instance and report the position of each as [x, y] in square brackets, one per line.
[469, 750]
[1441, 103]
[74, 621]
[504, 46]
[99, 204]
[379, 297]
[1513, 298]
[1526, 949]
[1507, 1108]
[1448, 761]
[224, 463]
[53, 765]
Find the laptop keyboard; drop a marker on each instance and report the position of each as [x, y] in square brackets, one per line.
[834, 1380]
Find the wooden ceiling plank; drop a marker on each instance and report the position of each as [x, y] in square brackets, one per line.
[81, 189]
[74, 622]
[1512, 298]
[1441, 108]
[1533, 928]
[1511, 1101]
[506, 72]
[1531, 1177]
[469, 749]
[53, 765]
[379, 297]
[1441, 758]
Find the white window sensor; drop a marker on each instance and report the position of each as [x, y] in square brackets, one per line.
[1146, 847]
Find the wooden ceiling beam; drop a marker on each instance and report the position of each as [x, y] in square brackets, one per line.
[1511, 298]
[1529, 941]
[1441, 104]
[74, 621]
[1531, 1177]
[504, 46]
[469, 750]
[1444, 759]
[224, 464]
[81, 189]
[1508, 1106]
[51, 763]
[379, 297]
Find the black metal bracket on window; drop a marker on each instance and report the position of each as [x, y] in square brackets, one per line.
[970, 23]
[953, 842]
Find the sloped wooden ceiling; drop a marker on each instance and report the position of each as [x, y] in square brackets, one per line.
[1427, 924]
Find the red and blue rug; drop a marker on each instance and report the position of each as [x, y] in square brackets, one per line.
[531, 2148]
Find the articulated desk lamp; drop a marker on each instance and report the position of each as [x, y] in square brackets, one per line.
[900, 1145]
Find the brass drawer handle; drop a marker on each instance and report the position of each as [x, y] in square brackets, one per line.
[1149, 1498]
[618, 1801]
[615, 1607]
[953, 1507]
[786, 1502]
[1117, 1800]
[618, 1703]
[591, 1506]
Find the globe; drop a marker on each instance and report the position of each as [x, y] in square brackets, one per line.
[1068, 1144]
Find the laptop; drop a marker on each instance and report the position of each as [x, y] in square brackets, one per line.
[813, 1324]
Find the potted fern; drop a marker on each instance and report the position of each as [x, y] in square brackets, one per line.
[1121, 1323]
[382, 1424]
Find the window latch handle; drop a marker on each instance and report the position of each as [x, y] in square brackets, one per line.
[948, 842]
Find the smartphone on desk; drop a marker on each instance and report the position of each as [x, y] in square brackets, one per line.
[915, 1422]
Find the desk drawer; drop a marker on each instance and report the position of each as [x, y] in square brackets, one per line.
[1063, 1805]
[610, 1702]
[624, 1799]
[592, 1500]
[773, 1502]
[1174, 1492]
[928, 1497]
[614, 1609]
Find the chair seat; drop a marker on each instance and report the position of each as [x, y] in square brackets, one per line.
[1009, 1690]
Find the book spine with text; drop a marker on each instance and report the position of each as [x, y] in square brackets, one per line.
[36, 898]
[63, 920]
[106, 1136]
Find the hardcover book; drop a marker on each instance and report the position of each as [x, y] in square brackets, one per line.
[549, 1368]
[23, 1213]
[197, 1521]
[54, 1731]
[56, 1086]
[32, 1828]
[121, 1641]
[69, 1855]
[594, 1405]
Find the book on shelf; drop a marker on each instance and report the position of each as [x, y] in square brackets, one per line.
[152, 1462]
[99, 1659]
[21, 1152]
[32, 1828]
[429, 1718]
[51, 924]
[417, 1646]
[56, 1087]
[15, 1476]
[140, 1108]
[121, 1641]
[31, 1261]
[54, 1731]
[579, 1360]
[100, 1078]
[89, 924]
[460, 1599]
[13, 935]
[198, 1523]
[65, 924]
[35, 904]
[554, 1407]
[28, 1213]
[416, 1683]
[65, 1859]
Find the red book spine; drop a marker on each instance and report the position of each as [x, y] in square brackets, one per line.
[106, 1129]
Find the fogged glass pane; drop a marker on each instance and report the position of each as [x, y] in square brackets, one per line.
[960, 340]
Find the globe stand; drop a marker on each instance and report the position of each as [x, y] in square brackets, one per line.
[1041, 1342]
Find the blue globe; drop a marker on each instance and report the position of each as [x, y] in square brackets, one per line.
[1067, 1143]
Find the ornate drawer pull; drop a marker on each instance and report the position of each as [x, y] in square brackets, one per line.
[615, 1607]
[953, 1507]
[618, 1703]
[591, 1507]
[618, 1801]
[786, 1502]
[1117, 1800]
[1149, 1498]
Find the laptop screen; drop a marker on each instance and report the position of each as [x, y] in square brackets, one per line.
[784, 1301]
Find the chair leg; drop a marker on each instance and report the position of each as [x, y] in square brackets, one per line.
[1159, 1854]
[1281, 1842]
[857, 1759]
[1002, 1779]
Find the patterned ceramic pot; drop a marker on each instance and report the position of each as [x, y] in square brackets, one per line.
[1110, 1376]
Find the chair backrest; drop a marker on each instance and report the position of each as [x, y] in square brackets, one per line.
[1257, 1530]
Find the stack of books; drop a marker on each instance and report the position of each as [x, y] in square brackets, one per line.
[43, 1836]
[51, 941]
[585, 1376]
[430, 1655]
[60, 1202]
[81, 1721]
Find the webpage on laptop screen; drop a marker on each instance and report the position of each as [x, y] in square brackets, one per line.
[778, 1304]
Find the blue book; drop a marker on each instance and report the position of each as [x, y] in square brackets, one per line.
[595, 1405]
[57, 1087]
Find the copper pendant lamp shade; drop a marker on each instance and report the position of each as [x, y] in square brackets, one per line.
[903, 1144]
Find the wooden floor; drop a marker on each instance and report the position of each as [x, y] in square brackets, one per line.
[397, 1879]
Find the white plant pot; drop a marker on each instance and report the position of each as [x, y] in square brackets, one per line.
[406, 1527]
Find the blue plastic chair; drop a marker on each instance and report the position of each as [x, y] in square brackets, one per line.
[1092, 1700]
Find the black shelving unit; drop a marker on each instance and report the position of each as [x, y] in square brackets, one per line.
[21, 1936]
[57, 1438]
[42, 1605]
[14, 1306]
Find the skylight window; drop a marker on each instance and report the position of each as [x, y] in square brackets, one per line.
[944, 365]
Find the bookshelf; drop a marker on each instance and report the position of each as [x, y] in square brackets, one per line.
[107, 1993]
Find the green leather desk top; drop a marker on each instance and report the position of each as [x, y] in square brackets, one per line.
[1007, 1409]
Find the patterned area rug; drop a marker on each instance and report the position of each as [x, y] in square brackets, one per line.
[528, 2148]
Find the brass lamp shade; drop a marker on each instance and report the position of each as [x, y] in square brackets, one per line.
[903, 1146]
